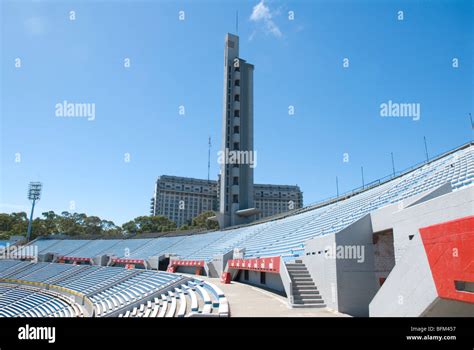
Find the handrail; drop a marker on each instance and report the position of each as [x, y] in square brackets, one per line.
[383, 179]
[285, 276]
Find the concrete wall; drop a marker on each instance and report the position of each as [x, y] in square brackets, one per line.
[356, 283]
[409, 289]
[447, 207]
[322, 270]
[272, 281]
[346, 283]
[384, 218]
[219, 262]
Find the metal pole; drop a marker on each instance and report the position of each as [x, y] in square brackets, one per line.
[30, 223]
[362, 171]
[472, 124]
[337, 187]
[426, 149]
[393, 164]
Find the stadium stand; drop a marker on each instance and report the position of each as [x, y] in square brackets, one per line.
[113, 291]
[191, 299]
[25, 301]
[284, 236]
[34, 288]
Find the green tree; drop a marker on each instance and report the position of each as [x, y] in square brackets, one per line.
[201, 221]
[13, 224]
[148, 224]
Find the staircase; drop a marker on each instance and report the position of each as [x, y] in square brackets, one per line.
[305, 293]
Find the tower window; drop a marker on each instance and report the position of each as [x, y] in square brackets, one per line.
[237, 98]
[236, 129]
[235, 180]
[237, 113]
[235, 198]
[237, 82]
[236, 146]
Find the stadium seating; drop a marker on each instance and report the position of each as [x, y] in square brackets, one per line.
[23, 301]
[112, 291]
[284, 236]
[190, 299]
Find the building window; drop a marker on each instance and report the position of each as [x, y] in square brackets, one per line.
[237, 113]
[235, 198]
[262, 277]
[237, 98]
[235, 180]
[236, 129]
[236, 146]
[246, 275]
[237, 82]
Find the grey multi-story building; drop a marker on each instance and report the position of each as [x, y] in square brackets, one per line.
[181, 198]
[275, 199]
[236, 194]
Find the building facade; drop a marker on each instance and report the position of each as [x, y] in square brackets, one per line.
[180, 199]
[275, 199]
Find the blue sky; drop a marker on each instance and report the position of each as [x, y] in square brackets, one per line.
[179, 62]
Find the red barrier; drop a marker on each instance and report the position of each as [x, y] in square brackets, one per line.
[128, 261]
[225, 278]
[200, 263]
[270, 264]
[73, 258]
[450, 250]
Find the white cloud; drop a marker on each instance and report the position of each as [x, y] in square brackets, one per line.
[261, 14]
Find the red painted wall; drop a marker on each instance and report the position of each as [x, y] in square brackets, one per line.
[450, 250]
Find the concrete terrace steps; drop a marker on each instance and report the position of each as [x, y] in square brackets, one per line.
[190, 299]
[305, 293]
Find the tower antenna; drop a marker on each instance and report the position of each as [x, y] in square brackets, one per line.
[209, 159]
[236, 22]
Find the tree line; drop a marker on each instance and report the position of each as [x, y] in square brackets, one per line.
[81, 225]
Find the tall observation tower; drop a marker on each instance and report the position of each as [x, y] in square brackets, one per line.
[237, 156]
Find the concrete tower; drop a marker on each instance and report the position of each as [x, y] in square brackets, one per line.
[237, 157]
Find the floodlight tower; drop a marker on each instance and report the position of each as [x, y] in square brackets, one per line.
[34, 194]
